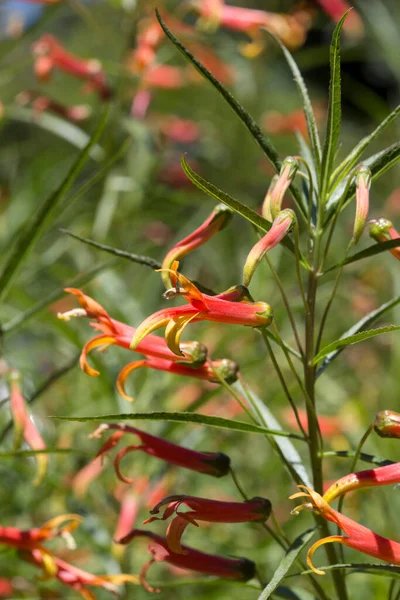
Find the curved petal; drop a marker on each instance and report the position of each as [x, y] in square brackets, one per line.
[119, 457]
[123, 374]
[99, 340]
[174, 534]
[174, 330]
[152, 323]
[328, 540]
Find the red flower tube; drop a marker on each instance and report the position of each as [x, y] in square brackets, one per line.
[363, 183]
[210, 463]
[50, 54]
[386, 475]
[356, 536]
[203, 509]
[202, 307]
[240, 569]
[217, 220]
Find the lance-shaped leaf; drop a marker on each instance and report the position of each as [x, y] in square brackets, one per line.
[287, 561]
[38, 222]
[334, 109]
[367, 253]
[307, 107]
[368, 458]
[357, 327]
[351, 160]
[353, 339]
[182, 417]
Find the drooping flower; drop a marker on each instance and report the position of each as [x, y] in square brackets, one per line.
[356, 536]
[387, 424]
[25, 429]
[224, 308]
[191, 362]
[389, 474]
[382, 230]
[29, 539]
[203, 509]
[50, 55]
[76, 578]
[240, 569]
[215, 222]
[363, 183]
[40, 104]
[210, 463]
[287, 28]
[286, 175]
[280, 227]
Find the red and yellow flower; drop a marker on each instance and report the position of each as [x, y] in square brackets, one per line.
[356, 536]
[240, 569]
[382, 230]
[203, 509]
[224, 308]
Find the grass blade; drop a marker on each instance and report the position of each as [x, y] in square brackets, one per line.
[183, 417]
[287, 561]
[39, 221]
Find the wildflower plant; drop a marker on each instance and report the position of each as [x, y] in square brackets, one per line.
[311, 192]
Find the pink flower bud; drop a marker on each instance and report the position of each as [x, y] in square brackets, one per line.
[288, 171]
[280, 227]
[266, 207]
[363, 183]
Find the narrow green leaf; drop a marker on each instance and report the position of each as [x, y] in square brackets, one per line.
[350, 161]
[359, 326]
[359, 567]
[18, 321]
[292, 593]
[40, 220]
[334, 108]
[293, 459]
[287, 561]
[307, 107]
[243, 210]
[368, 458]
[353, 339]
[136, 258]
[367, 253]
[262, 140]
[182, 417]
[379, 163]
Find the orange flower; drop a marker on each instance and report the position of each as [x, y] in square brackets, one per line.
[203, 509]
[24, 428]
[356, 536]
[240, 569]
[389, 474]
[224, 308]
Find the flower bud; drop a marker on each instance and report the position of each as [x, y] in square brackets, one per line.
[288, 171]
[280, 227]
[195, 352]
[363, 183]
[382, 230]
[266, 207]
[387, 424]
[227, 369]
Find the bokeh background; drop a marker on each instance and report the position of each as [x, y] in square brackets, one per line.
[143, 203]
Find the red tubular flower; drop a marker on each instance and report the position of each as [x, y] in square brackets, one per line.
[50, 55]
[203, 509]
[335, 9]
[280, 227]
[40, 104]
[24, 427]
[386, 475]
[356, 536]
[363, 183]
[387, 424]
[249, 20]
[222, 308]
[210, 463]
[240, 569]
[382, 230]
[217, 220]
[77, 579]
